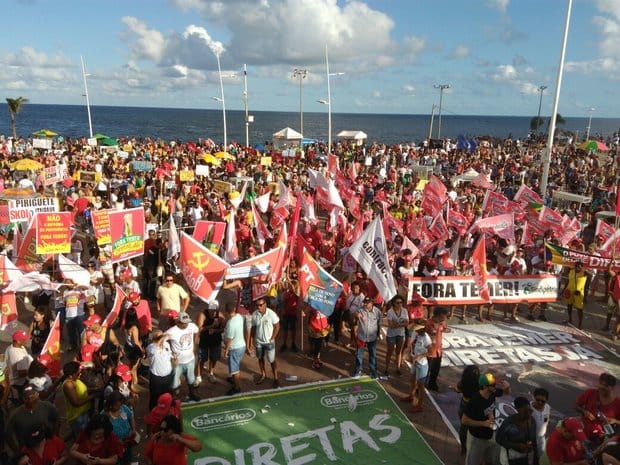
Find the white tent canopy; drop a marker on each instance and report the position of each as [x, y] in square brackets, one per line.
[359, 137]
[285, 136]
[467, 176]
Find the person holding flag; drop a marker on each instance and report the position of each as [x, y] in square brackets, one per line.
[366, 327]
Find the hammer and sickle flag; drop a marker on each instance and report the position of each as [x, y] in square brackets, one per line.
[203, 271]
[8, 310]
[52, 348]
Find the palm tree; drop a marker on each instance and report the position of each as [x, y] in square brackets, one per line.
[15, 106]
[559, 119]
[536, 122]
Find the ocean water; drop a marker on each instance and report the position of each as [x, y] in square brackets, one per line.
[188, 124]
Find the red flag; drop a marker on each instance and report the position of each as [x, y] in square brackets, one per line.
[262, 231]
[492, 200]
[618, 200]
[526, 238]
[278, 216]
[437, 186]
[263, 264]
[231, 252]
[550, 217]
[295, 223]
[352, 171]
[391, 221]
[526, 195]
[203, 270]
[479, 264]
[432, 202]
[8, 310]
[603, 229]
[355, 232]
[439, 229]
[27, 258]
[502, 225]
[408, 244]
[482, 181]
[457, 221]
[51, 350]
[119, 298]
[332, 164]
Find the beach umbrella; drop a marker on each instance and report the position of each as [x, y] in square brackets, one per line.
[208, 158]
[593, 145]
[45, 133]
[26, 164]
[107, 142]
[13, 193]
[260, 147]
[101, 136]
[224, 155]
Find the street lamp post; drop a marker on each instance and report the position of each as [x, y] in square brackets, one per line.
[221, 99]
[329, 102]
[546, 160]
[301, 74]
[90, 123]
[441, 88]
[589, 124]
[245, 106]
[541, 89]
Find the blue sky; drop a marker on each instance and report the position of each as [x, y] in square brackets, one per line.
[494, 54]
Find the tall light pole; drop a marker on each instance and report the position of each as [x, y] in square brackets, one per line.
[589, 124]
[541, 89]
[329, 102]
[245, 105]
[301, 74]
[441, 88]
[547, 152]
[90, 123]
[221, 99]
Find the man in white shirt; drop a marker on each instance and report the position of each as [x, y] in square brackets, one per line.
[161, 369]
[265, 329]
[183, 339]
[18, 359]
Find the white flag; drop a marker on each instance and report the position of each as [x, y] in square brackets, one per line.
[231, 254]
[174, 245]
[71, 270]
[370, 251]
[237, 200]
[262, 202]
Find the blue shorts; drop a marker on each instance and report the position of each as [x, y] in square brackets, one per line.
[268, 349]
[234, 360]
[419, 371]
[395, 340]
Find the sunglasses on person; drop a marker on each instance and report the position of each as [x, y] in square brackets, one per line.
[169, 280]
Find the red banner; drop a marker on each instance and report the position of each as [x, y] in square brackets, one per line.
[8, 310]
[479, 264]
[4, 214]
[27, 258]
[203, 270]
[210, 233]
[127, 230]
[53, 233]
[101, 225]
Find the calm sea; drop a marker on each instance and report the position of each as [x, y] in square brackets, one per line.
[185, 124]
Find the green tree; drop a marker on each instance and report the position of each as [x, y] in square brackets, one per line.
[536, 122]
[559, 120]
[15, 105]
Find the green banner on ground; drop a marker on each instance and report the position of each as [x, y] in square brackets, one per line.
[351, 421]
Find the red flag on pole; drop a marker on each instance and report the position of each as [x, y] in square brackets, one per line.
[116, 307]
[618, 200]
[50, 353]
[479, 263]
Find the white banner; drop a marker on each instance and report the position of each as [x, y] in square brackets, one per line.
[25, 209]
[455, 290]
[45, 144]
[370, 251]
[540, 343]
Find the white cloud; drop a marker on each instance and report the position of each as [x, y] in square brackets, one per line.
[409, 89]
[29, 57]
[500, 5]
[460, 51]
[148, 43]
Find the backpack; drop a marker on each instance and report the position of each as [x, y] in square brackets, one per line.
[318, 325]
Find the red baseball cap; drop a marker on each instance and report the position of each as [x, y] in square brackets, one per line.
[133, 296]
[171, 314]
[94, 319]
[575, 427]
[123, 372]
[46, 360]
[20, 336]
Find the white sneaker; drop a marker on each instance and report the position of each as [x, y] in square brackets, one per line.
[198, 381]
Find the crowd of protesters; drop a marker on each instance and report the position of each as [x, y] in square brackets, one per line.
[104, 370]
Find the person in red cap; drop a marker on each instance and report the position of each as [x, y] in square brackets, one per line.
[166, 405]
[18, 360]
[143, 313]
[565, 444]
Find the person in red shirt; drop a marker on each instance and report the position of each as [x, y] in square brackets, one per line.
[565, 444]
[435, 327]
[97, 441]
[169, 446]
[43, 449]
[143, 312]
[599, 406]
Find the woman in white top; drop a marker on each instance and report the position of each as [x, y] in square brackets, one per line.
[541, 413]
[397, 320]
[420, 349]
